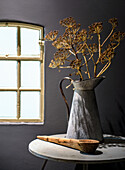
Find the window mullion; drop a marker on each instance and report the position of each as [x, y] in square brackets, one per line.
[18, 42]
[18, 71]
[18, 91]
[21, 58]
[42, 87]
[41, 43]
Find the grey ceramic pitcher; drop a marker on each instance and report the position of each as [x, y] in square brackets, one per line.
[84, 121]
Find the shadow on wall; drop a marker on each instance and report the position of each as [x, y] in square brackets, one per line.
[116, 124]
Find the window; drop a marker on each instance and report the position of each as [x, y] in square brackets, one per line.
[21, 72]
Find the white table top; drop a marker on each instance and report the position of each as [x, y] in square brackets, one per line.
[112, 150]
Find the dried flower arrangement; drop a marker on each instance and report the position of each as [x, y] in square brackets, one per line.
[75, 51]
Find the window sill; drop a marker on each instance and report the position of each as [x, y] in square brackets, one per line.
[21, 123]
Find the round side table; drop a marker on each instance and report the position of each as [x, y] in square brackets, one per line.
[112, 150]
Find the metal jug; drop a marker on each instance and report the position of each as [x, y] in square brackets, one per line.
[84, 121]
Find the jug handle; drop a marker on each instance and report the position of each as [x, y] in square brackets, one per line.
[61, 90]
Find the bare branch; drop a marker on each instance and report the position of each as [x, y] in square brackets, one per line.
[107, 37]
[104, 69]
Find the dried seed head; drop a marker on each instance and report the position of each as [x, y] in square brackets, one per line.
[114, 22]
[68, 22]
[93, 47]
[51, 36]
[107, 55]
[117, 36]
[95, 28]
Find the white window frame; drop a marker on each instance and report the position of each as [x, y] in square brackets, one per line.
[19, 58]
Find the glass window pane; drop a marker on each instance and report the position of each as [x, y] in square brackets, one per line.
[30, 105]
[8, 74]
[30, 42]
[8, 40]
[30, 74]
[8, 102]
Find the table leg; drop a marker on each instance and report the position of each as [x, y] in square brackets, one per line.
[44, 164]
[85, 166]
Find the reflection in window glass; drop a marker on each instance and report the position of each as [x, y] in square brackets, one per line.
[29, 42]
[30, 105]
[8, 41]
[8, 74]
[8, 102]
[30, 74]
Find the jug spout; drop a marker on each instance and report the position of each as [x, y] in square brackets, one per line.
[89, 84]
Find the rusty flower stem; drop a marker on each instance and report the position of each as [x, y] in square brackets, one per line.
[107, 37]
[99, 41]
[72, 52]
[116, 46]
[65, 67]
[80, 74]
[95, 66]
[79, 70]
[87, 60]
[75, 54]
[90, 53]
[95, 69]
[87, 68]
[104, 68]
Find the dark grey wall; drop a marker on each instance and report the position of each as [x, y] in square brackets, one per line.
[110, 94]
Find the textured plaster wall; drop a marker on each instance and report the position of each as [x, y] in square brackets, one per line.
[14, 139]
